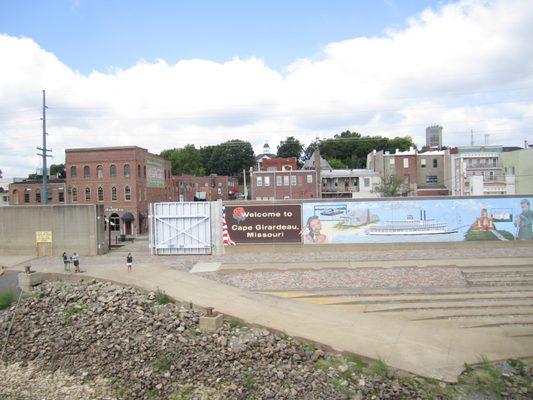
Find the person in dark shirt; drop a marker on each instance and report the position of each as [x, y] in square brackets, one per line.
[129, 261]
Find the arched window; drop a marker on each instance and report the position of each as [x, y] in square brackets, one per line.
[114, 193]
[100, 194]
[15, 197]
[114, 222]
[113, 171]
[127, 193]
[37, 195]
[87, 194]
[127, 172]
[86, 172]
[139, 170]
[99, 172]
[74, 195]
[26, 195]
[145, 171]
[73, 172]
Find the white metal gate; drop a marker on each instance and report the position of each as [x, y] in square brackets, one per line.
[180, 228]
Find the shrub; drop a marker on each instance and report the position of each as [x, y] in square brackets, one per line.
[161, 297]
[6, 298]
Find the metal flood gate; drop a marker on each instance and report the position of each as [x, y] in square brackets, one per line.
[180, 228]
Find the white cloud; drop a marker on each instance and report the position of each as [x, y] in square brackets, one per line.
[465, 65]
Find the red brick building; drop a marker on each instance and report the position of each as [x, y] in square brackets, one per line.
[279, 164]
[124, 179]
[28, 192]
[205, 188]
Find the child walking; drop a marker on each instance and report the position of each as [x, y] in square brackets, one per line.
[129, 261]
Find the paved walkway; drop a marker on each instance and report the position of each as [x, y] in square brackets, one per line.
[438, 353]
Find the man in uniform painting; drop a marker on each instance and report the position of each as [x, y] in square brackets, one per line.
[524, 222]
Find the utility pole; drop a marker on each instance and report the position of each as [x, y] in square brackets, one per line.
[471, 137]
[245, 187]
[43, 154]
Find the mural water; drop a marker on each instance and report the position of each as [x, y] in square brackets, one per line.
[396, 221]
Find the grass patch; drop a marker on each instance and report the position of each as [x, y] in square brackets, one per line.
[234, 324]
[7, 296]
[183, 393]
[162, 298]
[379, 368]
[163, 363]
[356, 364]
[309, 347]
[71, 310]
[248, 381]
[489, 378]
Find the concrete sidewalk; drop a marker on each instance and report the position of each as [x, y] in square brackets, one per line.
[436, 353]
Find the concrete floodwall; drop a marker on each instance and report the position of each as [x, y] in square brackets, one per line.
[50, 230]
[381, 220]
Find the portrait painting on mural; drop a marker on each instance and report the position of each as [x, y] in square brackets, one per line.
[394, 221]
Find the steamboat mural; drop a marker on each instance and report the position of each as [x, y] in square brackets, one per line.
[442, 220]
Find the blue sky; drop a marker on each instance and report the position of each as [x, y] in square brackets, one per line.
[98, 34]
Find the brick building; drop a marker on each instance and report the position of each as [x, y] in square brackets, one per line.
[28, 192]
[279, 164]
[205, 188]
[124, 179]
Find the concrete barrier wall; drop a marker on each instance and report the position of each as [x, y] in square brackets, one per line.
[50, 230]
[397, 220]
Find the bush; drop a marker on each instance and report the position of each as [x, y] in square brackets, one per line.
[161, 297]
[6, 298]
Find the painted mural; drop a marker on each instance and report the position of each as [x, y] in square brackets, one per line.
[395, 221]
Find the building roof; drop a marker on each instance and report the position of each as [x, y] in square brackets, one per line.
[347, 173]
[310, 164]
[37, 181]
[433, 153]
[259, 157]
[83, 149]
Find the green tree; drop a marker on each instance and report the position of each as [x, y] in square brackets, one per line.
[231, 157]
[336, 164]
[59, 170]
[290, 147]
[392, 186]
[310, 149]
[187, 160]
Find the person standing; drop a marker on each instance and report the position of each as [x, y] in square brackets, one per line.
[524, 222]
[129, 261]
[76, 262]
[66, 262]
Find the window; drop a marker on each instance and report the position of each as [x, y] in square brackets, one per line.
[293, 180]
[74, 195]
[511, 170]
[287, 168]
[26, 195]
[86, 172]
[113, 194]
[286, 180]
[309, 178]
[139, 170]
[406, 163]
[431, 179]
[435, 163]
[99, 172]
[259, 181]
[49, 196]
[127, 172]
[37, 195]
[271, 169]
[366, 182]
[423, 163]
[391, 161]
[113, 171]
[127, 193]
[87, 194]
[73, 172]
[145, 171]
[100, 194]
[267, 180]
[279, 181]
[61, 195]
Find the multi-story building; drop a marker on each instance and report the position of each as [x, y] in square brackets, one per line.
[422, 174]
[478, 170]
[349, 183]
[519, 164]
[434, 136]
[205, 188]
[265, 155]
[433, 173]
[124, 179]
[279, 164]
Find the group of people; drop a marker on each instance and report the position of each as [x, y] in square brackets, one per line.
[74, 259]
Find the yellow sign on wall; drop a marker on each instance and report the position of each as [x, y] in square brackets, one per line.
[43, 236]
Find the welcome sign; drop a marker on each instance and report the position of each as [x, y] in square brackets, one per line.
[264, 224]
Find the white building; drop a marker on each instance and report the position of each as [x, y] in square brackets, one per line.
[4, 191]
[349, 183]
[478, 171]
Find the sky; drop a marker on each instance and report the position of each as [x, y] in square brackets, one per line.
[162, 74]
